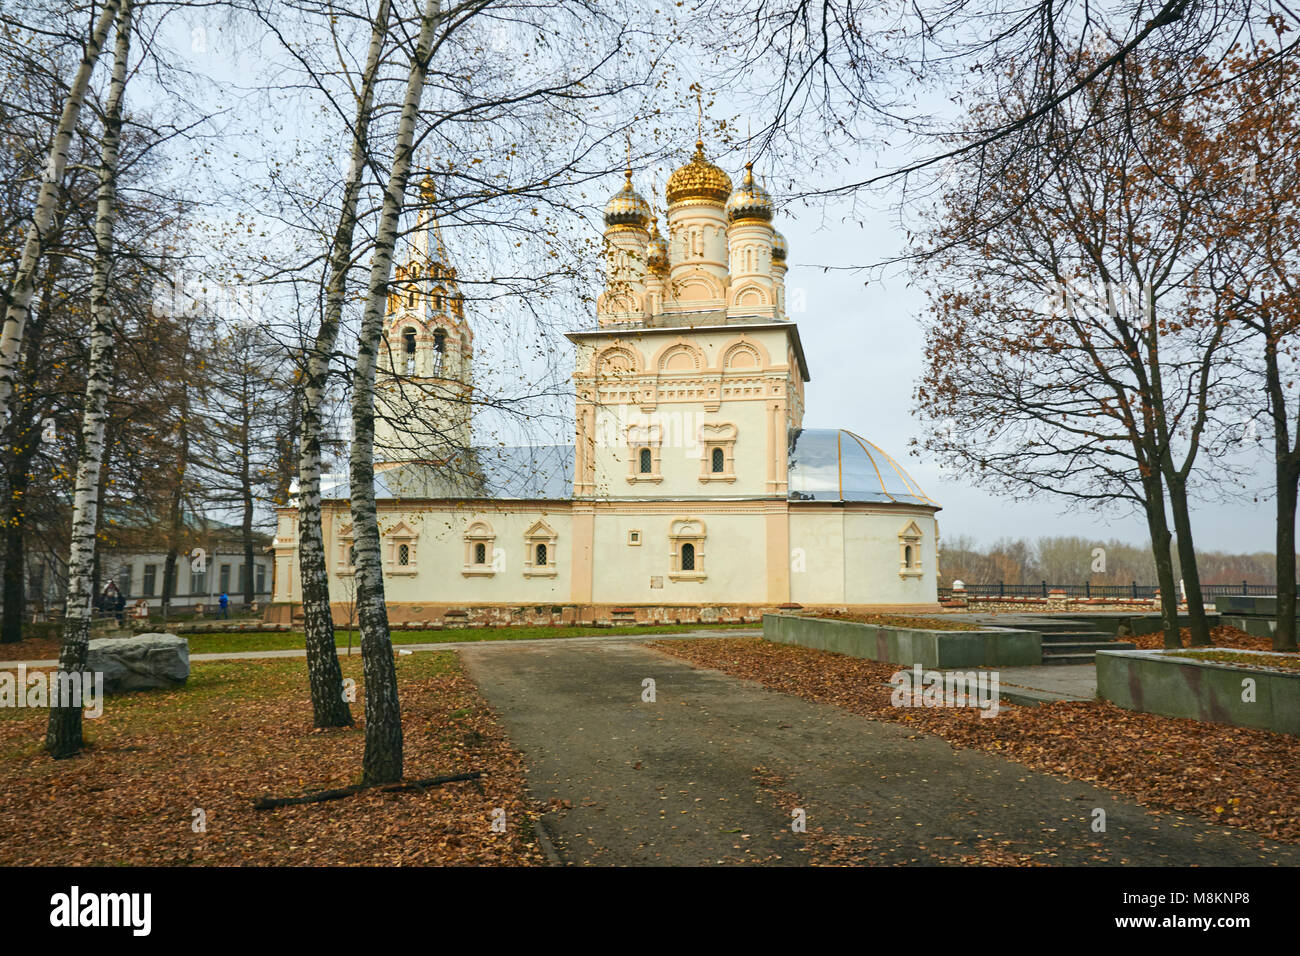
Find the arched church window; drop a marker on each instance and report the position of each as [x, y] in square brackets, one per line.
[408, 347]
[410, 299]
[643, 444]
[539, 551]
[688, 536]
[717, 462]
[404, 555]
[352, 557]
[480, 550]
[909, 550]
[439, 350]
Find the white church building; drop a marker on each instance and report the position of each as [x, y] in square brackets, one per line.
[692, 488]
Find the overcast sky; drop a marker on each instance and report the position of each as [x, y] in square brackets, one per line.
[864, 350]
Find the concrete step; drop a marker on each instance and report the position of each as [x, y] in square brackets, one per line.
[1056, 637]
[1086, 658]
[1077, 647]
[1081, 652]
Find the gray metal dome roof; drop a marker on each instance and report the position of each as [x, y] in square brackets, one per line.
[833, 464]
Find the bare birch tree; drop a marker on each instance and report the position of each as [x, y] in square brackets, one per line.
[64, 736]
[329, 706]
[382, 762]
[25, 283]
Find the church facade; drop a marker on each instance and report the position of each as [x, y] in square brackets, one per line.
[692, 487]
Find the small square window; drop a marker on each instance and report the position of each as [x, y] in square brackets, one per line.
[634, 538]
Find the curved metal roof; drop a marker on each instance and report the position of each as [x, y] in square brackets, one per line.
[833, 464]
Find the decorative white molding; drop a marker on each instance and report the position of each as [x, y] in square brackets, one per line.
[718, 437]
[479, 535]
[540, 536]
[909, 551]
[687, 533]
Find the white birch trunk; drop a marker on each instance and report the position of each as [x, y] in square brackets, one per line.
[24, 284]
[63, 737]
[383, 756]
[324, 676]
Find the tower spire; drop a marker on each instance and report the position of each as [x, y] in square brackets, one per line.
[427, 242]
[699, 122]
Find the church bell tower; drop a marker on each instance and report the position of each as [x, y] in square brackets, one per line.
[424, 380]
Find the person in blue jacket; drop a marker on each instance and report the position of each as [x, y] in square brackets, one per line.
[224, 601]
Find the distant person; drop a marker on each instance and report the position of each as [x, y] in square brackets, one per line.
[224, 601]
[107, 602]
[119, 609]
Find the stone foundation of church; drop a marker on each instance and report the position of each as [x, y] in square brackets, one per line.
[437, 616]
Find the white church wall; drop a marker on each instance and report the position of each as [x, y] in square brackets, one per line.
[817, 556]
[871, 542]
[680, 392]
[851, 555]
[444, 569]
[730, 566]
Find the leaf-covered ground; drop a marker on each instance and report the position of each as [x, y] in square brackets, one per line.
[1277, 661]
[898, 620]
[34, 648]
[243, 730]
[1222, 636]
[1233, 775]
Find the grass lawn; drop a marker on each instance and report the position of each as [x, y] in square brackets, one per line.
[1234, 775]
[217, 642]
[241, 730]
[226, 643]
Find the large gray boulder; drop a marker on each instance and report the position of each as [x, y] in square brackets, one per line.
[142, 662]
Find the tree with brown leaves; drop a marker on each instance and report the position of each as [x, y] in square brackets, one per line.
[1077, 340]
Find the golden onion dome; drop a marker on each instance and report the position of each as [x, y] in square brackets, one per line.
[626, 207]
[699, 181]
[656, 251]
[780, 248]
[750, 201]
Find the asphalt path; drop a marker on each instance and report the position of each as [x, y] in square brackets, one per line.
[714, 769]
